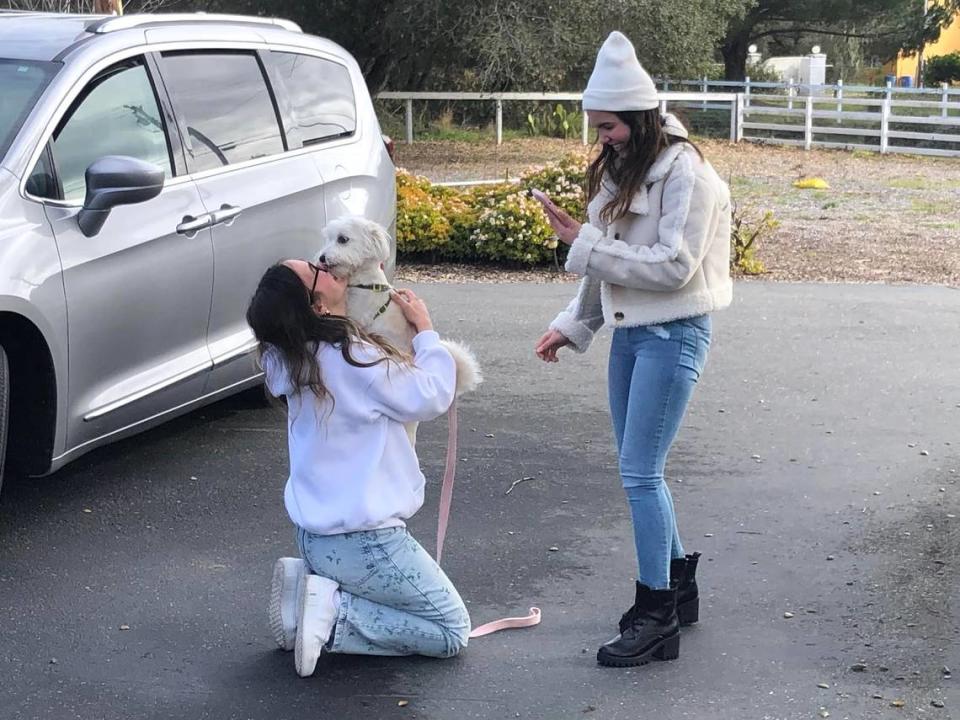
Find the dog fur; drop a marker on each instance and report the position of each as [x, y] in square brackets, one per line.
[356, 248]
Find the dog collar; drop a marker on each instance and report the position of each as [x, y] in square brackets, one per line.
[376, 287]
[383, 309]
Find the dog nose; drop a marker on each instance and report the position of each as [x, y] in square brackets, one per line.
[322, 259]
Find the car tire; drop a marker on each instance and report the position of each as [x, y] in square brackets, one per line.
[4, 407]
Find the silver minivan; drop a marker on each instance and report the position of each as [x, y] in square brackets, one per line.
[151, 168]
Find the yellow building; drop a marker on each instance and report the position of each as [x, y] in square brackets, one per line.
[949, 42]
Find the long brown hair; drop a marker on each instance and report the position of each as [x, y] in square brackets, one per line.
[280, 314]
[628, 170]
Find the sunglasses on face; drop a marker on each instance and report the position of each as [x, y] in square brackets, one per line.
[316, 274]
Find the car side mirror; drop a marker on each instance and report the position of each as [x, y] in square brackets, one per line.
[116, 180]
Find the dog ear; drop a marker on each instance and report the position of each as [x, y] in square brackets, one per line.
[383, 237]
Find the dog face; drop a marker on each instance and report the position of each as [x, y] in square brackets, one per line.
[352, 242]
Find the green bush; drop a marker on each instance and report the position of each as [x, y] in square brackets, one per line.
[554, 122]
[513, 229]
[493, 223]
[564, 182]
[942, 69]
[427, 214]
[502, 223]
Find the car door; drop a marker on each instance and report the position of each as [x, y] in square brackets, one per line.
[138, 292]
[267, 201]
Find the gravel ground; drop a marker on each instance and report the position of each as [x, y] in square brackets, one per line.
[892, 218]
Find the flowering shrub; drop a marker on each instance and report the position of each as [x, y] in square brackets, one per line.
[499, 223]
[425, 214]
[564, 182]
[502, 223]
[513, 229]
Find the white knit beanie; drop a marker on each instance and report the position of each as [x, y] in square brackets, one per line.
[618, 82]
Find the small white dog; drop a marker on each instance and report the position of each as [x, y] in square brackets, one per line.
[356, 248]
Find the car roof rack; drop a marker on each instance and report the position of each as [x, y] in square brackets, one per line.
[125, 22]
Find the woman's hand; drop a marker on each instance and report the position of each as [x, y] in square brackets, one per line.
[563, 225]
[548, 345]
[413, 309]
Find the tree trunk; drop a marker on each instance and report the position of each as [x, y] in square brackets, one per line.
[734, 51]
[108, 7]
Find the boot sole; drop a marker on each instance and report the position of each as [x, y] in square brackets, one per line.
[666, 649]
[688, 613]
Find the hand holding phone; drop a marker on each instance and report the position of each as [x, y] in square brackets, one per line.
[563, 225]
[544, 199]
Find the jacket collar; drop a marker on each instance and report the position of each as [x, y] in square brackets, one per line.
[661, 166]
[640, 203]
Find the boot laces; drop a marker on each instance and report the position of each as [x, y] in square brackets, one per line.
[631, 617]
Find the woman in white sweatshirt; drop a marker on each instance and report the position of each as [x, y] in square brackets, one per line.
[364, 585]
[654, 256]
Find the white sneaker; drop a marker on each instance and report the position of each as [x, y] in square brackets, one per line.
[316, 617]
[288, 574]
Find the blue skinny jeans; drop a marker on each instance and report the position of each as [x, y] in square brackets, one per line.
[652, 373]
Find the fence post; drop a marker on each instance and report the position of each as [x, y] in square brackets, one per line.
[790, 94]
[885, 122]
[808, 123]
[666, 85]
[741, 113]
[499, 121]
[733, 120]
[746, 91]
[586, 128]
[839, 99]
[663, 107]
[703, 89]
[409, 119]
[945, 89]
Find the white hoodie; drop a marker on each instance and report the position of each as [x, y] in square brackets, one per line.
[351, 464]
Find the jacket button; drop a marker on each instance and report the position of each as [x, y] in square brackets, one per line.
[618, 316]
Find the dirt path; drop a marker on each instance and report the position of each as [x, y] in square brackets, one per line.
[890, 218]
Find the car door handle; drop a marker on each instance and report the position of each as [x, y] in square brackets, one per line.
[190, 224]
[225, 214]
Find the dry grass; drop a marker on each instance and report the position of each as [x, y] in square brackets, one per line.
[890, 218]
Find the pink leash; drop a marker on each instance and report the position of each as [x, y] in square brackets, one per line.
[446, 497]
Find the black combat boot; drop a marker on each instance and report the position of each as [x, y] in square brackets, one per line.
[683, 575]
[649, 631]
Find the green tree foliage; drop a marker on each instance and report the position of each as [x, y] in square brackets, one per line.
[887, 25]
[499, 45]
[942, 69]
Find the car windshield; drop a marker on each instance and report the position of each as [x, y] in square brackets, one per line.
[21, 82]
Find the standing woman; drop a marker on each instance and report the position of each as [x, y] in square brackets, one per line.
[654, 256]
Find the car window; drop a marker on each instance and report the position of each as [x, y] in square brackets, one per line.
[21, 83]
[320, 94]
[116, 114]
[225, 107]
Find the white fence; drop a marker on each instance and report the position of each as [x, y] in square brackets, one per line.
[885, 119]
[730, 101]
[947, 96]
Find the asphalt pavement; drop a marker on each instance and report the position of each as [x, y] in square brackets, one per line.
[818, 471]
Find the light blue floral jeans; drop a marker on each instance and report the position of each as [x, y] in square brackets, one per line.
[394, 598]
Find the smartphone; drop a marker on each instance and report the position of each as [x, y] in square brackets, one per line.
[543, 198]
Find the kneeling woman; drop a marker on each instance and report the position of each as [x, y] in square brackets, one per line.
[364, 584]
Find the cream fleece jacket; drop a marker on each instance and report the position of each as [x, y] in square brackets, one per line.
[668, 258]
